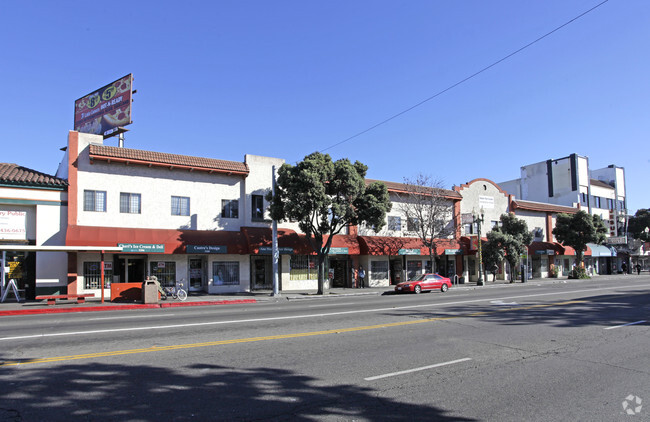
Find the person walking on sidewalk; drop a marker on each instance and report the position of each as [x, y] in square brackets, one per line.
[353, 277]
[362, 276]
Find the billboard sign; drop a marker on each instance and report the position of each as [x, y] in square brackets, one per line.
[106, 109]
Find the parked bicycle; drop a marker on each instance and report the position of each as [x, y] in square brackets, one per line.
[176, 292]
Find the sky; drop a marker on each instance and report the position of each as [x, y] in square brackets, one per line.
[285, 78]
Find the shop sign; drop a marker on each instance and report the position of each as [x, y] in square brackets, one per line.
[142, 247]
[217, 249]
[453, 252]
[104, 110]
[338, 251]
[486, 202]
[108, 266]
[268, 250]
[12, 225]
[545, 252]
[409, 252]
[621, 240]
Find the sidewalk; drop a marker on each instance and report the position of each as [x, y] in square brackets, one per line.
[11, 307]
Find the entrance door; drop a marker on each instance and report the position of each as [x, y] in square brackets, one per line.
[130, 269]
[261, 268]
[340, 270]
[395, 271]
[196, 274]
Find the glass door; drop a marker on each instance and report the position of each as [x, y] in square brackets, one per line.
[196, 274]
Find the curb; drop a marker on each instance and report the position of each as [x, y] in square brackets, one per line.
[123, 307]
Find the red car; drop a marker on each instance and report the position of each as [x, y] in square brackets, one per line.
[424, 282]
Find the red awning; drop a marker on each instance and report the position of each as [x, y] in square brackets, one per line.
[386, 245]
[175, 241]
[257, 237]
[558, 248]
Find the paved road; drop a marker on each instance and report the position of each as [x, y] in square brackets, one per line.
[538, 351]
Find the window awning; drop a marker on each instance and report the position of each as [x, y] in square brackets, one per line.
[174, 241]
[386, 245]
[599, 250]
[545, 248]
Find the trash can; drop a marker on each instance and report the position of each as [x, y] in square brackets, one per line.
[150, 291]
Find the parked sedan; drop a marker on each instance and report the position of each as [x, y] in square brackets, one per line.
[424, 282]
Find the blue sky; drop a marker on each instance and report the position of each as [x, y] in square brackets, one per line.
[286, 78]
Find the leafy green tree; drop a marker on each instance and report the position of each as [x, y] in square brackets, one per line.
[323, 197]
[513, 238]
[576, 230]
[639, 225]
[493, 250]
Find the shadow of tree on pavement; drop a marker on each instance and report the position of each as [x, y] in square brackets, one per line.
[100, 391]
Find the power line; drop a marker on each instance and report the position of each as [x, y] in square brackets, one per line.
[465, 79]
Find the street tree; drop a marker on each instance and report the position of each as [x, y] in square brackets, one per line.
[639, 225]
[512, 237]
[576, 230]
[429, 212]
[493, 251]
[323, 197]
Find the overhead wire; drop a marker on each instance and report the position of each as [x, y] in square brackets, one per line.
[439, 93]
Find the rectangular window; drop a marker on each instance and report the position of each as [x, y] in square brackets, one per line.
[597, 201]
[394, 223]
[583, 199]
[165, 272]
[413, 269]
[257, 207]
[303, 267]
[610, 204]
[467, 228]
[230, 208]
[93, 275]
[95, 200]
[180, 205]
[225, 273]
[378, 270]
[412, 224]
[130, 203]
[494, 224]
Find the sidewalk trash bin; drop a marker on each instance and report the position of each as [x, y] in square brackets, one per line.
[150, 291]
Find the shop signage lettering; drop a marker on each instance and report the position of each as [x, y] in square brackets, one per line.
[12, 225]
[338, 251]
[409, 252]
[142, 247]
[453, 252]
[486, 202]
[268, 250]
[217, 249]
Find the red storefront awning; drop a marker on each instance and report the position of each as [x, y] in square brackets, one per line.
[386, 245]
[559, 249]
[175, 241]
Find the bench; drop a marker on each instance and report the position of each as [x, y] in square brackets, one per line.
[51, 299]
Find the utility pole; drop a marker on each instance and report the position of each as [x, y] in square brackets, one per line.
[274, 246]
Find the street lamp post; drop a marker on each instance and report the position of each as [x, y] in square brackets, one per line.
[478, 221]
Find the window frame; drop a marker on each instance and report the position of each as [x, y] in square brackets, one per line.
[91, 200]
[179, 206]
[128, 204]
[227, 210]
[255, 215]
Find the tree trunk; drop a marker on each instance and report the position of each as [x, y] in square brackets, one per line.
[321, 275]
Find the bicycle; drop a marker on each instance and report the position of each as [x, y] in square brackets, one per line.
[176, 292]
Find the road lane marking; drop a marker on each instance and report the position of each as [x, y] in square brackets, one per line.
[132, 316]
[500, 302]
[625, 325]
[266, 338]
[422, 368]
[331, 304]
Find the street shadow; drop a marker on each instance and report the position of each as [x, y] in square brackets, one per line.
[100, 391]
[598, 310]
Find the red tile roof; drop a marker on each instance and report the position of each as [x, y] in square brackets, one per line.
[404, 188]
[541, 206]
[13, 174]
[161, 159]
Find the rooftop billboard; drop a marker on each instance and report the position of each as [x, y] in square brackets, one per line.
[106, 109]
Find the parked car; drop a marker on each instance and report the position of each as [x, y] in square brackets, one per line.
[424, 282]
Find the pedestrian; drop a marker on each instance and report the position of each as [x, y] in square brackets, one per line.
[362, 276]
[353, 277]
[624, 268]
[638, 269]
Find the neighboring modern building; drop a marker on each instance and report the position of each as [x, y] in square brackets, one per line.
[569, 181]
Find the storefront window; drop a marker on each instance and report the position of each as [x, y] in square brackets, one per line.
[303, 267]
[93, 275]
[225, 273]
[165, 272]
[378, 270]
[413, 269]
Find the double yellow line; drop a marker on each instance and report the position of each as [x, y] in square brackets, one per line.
[266, 338]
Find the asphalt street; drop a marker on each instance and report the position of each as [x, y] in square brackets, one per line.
[538, 352]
